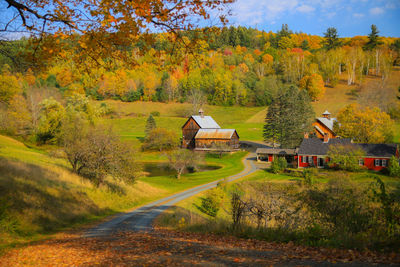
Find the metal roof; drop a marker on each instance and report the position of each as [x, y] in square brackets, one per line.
[326, 113]
[276, 151]
[206, 122]
[327, 122]
[215, 133]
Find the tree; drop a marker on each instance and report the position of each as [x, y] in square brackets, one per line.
[106, 26]
[345, 157]
[150, 125]
[331, 39]
[394, 167]
[373, 39]
[289, 116]
[364, 125]
[50, 121]
[314, 84]
[160, 139]
[9, 86]
[181, 159]
[95, 152]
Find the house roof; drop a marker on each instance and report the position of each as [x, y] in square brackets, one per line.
[378, 150]
[319, 129]
[206, 122]
[215, 133]
[276, 151]
[327, 122]
[316, 146]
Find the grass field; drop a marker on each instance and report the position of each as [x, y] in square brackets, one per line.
[40, 195]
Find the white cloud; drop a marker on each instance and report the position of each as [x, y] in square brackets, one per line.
[358, 15]
[376, 11]
[305, 9]
[252, 12]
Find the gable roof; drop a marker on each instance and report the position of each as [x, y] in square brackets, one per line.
[316, 146]
[378, 150]
[327, 122]
[206, 122]
[215, 134]
[276, 151]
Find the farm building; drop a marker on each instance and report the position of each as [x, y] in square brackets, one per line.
[202, 133]
[313, 153]
[269, 154]
[324, 125]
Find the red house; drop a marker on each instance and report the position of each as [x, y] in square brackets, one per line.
[313, 153]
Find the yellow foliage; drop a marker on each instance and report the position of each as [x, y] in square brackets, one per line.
[314, 84]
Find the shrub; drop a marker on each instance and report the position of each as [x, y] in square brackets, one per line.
[345, 157]
[155, 113]
[211, 203]
[394, 167]
[279, 164]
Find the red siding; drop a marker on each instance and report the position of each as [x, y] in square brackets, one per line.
[370, 164]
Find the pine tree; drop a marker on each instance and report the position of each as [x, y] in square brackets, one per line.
[373, 37]
[331, 39]
[150, 124]
[289, 116]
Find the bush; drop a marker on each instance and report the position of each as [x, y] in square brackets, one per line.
[394, 167]
[279, 164]
[211, 203]
[155, 113]
[345, 157]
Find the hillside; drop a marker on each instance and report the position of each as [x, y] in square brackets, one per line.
[39, 194]
[129, 118]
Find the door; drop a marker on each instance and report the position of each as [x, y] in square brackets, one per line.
[320, 162]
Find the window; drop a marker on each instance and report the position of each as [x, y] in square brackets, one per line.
[361, 162]
[377, 162]
[303, 159]
[384, 163]
[310, 160]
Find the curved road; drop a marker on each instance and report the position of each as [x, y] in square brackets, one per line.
[141, 219]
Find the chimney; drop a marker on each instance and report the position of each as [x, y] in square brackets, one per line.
[201, 113]
[306, 134]
[326, 137]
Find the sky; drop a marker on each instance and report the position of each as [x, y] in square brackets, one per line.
[349, 17]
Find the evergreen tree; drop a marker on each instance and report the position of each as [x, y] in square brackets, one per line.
[373, 39]
[289, 116]
[150, 124]
[331, 39]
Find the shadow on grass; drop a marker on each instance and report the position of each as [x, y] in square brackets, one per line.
[40, 201]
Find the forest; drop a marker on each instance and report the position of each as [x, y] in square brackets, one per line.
[219, 66]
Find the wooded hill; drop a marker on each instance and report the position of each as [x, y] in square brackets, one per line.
[228, 66]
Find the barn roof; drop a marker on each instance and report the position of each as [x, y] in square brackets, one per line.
[326, 113]
[215, 134]
[327, 122]
[276, 151]
[206, 122]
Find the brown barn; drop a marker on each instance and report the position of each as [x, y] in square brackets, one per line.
[324, 125]
[202, 133]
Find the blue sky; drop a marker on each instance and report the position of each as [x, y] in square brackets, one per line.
[350, 17]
